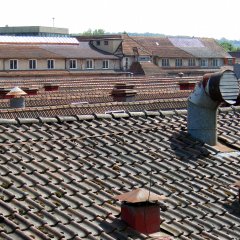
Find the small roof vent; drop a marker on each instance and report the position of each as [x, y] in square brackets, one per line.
[139, 195]
[124, 92]
[16, 92]
[140, 210]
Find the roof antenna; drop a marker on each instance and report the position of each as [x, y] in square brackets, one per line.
[53, 21]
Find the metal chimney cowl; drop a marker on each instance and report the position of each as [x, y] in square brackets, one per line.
[204, 101]
[140, 210]
[16, 97]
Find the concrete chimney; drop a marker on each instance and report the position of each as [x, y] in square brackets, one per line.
[204, 101]
[140, 210]
[16, 98]
[123, 92]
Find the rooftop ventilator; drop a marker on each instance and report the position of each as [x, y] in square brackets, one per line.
[204, 101]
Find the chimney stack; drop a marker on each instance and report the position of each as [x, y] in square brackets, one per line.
[51, 87]
[140, 210]
[124, 92]
[185, 84]
[16, 98]
[204, 101]
[30, 90]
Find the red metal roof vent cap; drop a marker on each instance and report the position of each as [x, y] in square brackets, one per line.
[140, 210]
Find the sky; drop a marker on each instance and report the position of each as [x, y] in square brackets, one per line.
[203, 18]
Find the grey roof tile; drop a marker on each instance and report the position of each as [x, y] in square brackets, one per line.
[67, 178]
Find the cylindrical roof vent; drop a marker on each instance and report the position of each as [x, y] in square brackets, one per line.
[203, 103]
[222, 86]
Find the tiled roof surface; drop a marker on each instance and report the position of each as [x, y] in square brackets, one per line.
[200, 47]
[150, 68]
[176, 47]
[78, 97]
[25, 52]
[129, 44]
[162, 47]
[58, 176]
[81, 50]
[82, 109]
[235, 54]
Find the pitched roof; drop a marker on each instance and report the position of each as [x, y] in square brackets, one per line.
[200, 47]
[100, 108]
[26, 52]
[163, 47]
[82, 50]
[131, 47]
[59, 175]
[176, 47]
[42, 51]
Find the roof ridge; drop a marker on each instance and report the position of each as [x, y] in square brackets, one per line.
[127, 114]
[91, 117]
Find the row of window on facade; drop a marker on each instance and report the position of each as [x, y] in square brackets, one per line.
[72, 64]
[192, 62]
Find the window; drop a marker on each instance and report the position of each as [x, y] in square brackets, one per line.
[13, 64]
[105, 42]
[144, 59]
[230, 61]
[50, 63]
[90, 64]
[165, 62]
[32, 64]
[178, 62]
[126, 63]
[72, 64]
[98, 43]
[191, 62]
[215, 63]
[203, 62]
[105, 64]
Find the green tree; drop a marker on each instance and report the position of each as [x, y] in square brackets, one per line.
[227, 46]
[95, 32]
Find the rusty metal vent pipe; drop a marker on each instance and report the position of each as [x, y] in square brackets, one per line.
[204, 101]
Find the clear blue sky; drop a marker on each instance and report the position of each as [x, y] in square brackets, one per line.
[205, 18]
